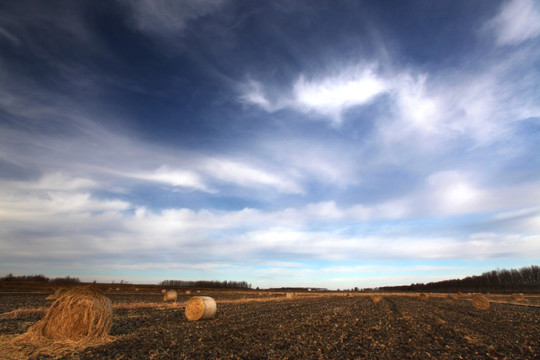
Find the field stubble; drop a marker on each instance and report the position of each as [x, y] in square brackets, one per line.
[328, 327]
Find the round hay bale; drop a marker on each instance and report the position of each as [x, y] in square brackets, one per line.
[170, 295]
[289, 295]
[188, 292]
[424, 296]
[200, 308]
[57, 293]
[518, 297]
[81, 313]
[454, 296]
[376, 298]
[163, 291]
[480, 302]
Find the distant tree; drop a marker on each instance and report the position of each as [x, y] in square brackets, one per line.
[67, 279]
[207, 284]
[524, 279]
[36, 278]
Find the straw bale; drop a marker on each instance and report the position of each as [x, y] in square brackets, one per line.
[376, 298]
[454, 296]
[200, 308]
[289, 295]
[57, 293]
[170, 295]
[82, 313]
[480, 302]
[518, 297]
[424, 296]
[188, 292]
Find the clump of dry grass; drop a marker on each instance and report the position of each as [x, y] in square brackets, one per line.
[81, 313]
[518, 297]
[146, 305]
[200, 308]
[376, 298]
[480, 302]
[25, 313]
[454, 296]
[170, 295]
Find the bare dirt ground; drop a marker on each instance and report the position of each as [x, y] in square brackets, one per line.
[249, 326]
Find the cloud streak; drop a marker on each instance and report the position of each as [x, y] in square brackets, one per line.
[166, 17]
[517, 22]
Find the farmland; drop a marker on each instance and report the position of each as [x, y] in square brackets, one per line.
[251, 325]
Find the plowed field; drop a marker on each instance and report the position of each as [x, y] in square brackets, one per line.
[306, 327]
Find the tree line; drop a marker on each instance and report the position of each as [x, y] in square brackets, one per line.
[207, 284]
[525, 279]
[39, 278]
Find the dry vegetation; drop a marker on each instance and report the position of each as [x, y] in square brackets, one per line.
[262, 325]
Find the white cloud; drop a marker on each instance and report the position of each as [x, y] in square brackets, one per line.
[62, 224]
[331, 246]
[252, 93]
[60, 181]
[415, 106]
[174, 177]
[506, 215]
[518, 21]
[331, 96]
[242, 174]
[453, 192]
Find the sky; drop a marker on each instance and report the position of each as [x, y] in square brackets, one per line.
[332, 144]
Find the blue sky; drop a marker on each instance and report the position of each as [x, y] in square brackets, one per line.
[286, 143]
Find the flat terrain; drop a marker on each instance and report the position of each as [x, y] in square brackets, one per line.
[305, 327]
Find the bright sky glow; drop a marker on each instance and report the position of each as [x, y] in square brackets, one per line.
[283, 143]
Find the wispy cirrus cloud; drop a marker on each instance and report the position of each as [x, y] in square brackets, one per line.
[517, 22]
[168, 17]
[174, 177]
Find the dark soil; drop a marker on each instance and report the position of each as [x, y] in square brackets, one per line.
[330, 327]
